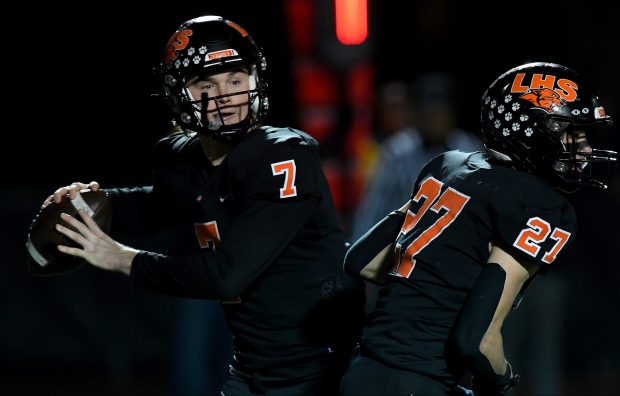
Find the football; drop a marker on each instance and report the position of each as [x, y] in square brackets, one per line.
[43, 256]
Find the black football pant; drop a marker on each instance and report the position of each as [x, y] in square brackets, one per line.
[366, 376]
[324, 381]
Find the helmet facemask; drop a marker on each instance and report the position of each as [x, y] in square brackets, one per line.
[579, 164]
[207, 46]
[209, 113]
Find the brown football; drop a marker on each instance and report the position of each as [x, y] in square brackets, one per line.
[43, 256]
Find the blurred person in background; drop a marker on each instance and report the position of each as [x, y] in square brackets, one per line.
[418, 121]
[421, 124]
[393, 116]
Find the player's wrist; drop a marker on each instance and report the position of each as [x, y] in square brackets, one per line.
[500, 386]
[126, 259]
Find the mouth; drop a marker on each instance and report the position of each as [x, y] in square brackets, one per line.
[224, 116]
[228, 116]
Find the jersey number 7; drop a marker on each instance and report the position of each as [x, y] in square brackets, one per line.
[451, 200]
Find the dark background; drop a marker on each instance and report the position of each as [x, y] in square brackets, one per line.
[79, 108]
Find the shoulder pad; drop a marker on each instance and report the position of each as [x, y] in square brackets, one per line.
[278, 135]
[534, 221]
[173, 146]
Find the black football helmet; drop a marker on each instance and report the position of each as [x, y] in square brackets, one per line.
[204, 46]
[525, 114]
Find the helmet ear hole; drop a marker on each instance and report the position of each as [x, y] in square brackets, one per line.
[556, 127]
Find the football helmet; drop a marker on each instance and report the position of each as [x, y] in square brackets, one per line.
[204, 46]
[540, 115]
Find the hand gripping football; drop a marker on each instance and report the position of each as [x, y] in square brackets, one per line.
[44, 258]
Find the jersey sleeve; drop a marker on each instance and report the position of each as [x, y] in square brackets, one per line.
[131, 209]
[370, 245]
[533, 222]
[285, 172]
[139, 210]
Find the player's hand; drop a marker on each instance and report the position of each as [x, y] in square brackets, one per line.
[480, 389]
[462, 391]
[96, 247]
[70, 190]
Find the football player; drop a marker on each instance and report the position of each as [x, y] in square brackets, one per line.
[268, 242]
[456, 258]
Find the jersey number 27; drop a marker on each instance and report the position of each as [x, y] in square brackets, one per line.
[432, 198]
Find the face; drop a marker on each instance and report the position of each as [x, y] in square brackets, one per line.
[576, 141]
[226, 107]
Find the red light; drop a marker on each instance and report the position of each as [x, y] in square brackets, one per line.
[351, 21]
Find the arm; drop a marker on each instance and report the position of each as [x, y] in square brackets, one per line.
[132, 210]
[259, 234]
[371, 256]
[477, 336]
[264, 227]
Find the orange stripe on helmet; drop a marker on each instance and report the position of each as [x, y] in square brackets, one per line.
[237, 28]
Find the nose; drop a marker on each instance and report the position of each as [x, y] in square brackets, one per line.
[584, 147]
[587, 148]
[221, 93]
[224, 99]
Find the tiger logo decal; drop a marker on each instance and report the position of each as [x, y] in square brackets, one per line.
[544, 98]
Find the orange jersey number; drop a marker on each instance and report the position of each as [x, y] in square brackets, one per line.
[450, 200]
[289, 170]
[537, 232]
[209, 237]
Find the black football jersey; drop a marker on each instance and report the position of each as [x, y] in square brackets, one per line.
[266, 243]
[460, 204]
